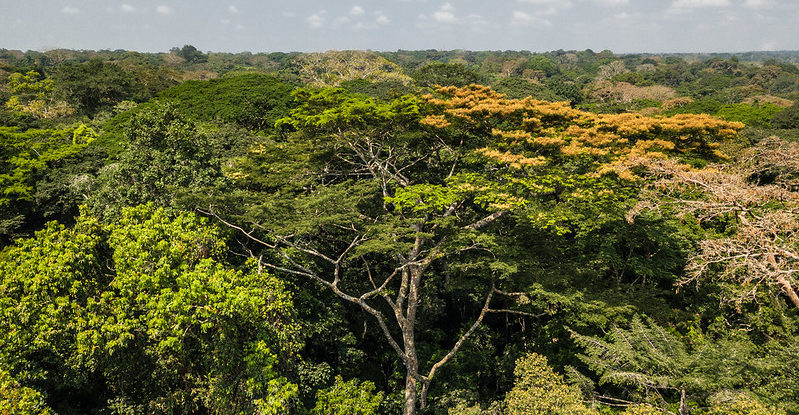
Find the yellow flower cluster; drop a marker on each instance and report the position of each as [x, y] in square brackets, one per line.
[514, 160]
[531, 132]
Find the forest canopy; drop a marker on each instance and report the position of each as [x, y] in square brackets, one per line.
[415, 232]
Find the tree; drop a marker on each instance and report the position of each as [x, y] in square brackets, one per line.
[374, 200]
[32, 163]
[331, 68]
[92, 86]
[611, 70]
[253, 101]
[445, 74]
[787, 118]
[657, 366]
[543, 65]
[190, 54]
[755, 201]
[646, 360]
[751, 115]
[521, 88]
[366, 219]
[565, 89]
[143, 316]
[166, 154]
[348, 398]
[743, 404]
[34, 96]
[538, 391]
[17, 399]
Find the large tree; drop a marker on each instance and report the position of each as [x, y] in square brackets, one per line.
[142, 316]
[750, 206]
[37, 172]
[92, 86]
[379, 201]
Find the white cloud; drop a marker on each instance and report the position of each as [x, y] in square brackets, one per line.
[549, 7]
[70, 10]
[127, 8]
[758, 4]
[444, 17]
[693, 4]
[357, 11]
[289, 14]
[557, 4]
[612, 3]
[685, 7]
[549, 11]
[520, 18]
[382, 19]
[224, 21]
[232, 9]
[316, 20]
[539, 15]
[445, 14]
[163, 10]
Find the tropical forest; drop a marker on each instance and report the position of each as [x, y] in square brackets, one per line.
[417, 232]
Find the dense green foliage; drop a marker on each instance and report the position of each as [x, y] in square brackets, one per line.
[37, 172]
[335, 233]
[166, 154]
[348, 398]
[141, 316]
[787, 118]
[252, 101]
[540, 391]
[17, 399]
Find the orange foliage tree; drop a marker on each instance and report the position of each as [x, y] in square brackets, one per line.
[560, 164]
[380, 197]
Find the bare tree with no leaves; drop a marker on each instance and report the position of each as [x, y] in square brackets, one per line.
[759, 194]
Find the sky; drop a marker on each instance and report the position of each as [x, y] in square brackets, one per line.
[622, 26]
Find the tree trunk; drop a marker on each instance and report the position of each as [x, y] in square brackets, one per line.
[683, 407]
[782, 281]
[410, 396]
[408, 324]
[788, 290]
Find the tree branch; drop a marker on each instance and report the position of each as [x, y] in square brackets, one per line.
[486, 220]
[427, 379]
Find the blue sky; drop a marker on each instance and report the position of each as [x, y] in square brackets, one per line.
[318, 25]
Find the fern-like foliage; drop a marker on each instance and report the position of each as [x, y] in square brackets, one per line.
[645, 360]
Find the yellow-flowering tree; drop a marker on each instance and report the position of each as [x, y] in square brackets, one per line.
[373, 200]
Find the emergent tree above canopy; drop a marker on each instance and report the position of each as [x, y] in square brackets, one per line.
[373, 200]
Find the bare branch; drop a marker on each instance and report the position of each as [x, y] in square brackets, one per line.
[239, 228]
[458, 344]
[486, 220]
[521, 313]
[761, 249]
